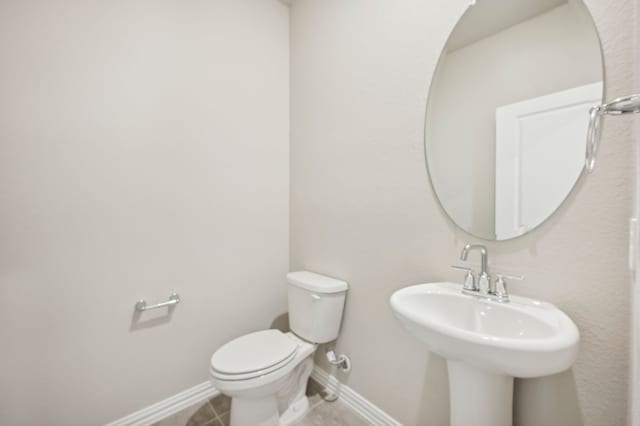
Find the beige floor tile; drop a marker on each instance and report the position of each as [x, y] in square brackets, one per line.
[225, 419]
[216, 422]
[221, 404]
[332, 414]
[196, 415]
[314, 401]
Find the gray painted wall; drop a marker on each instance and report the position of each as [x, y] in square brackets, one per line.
[143, 150]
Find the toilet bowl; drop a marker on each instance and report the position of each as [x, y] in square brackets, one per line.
[266, 372]
[258, 395]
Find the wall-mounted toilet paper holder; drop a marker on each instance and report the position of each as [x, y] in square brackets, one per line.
[141, 305]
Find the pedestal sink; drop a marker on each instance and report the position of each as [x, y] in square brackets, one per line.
[486, 344]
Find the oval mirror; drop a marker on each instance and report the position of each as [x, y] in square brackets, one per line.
[508, 113]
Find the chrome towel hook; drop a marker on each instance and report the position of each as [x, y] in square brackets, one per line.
[141, 305]
[619, 106]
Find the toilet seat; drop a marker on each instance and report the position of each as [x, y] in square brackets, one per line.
[253, 355]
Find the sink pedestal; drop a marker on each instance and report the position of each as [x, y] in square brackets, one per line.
[479, 398]
[486, 344]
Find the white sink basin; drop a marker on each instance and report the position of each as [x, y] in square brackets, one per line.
[522, 338]
[486, 344]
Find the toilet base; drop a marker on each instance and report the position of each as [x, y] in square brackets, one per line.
[264, 412]
[256, 412]
[279, 403]
[295, 411]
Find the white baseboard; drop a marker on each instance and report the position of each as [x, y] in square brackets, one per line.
[204, 391]
[353, 399]
[169, 406]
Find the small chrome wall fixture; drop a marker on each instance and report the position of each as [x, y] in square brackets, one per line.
[620, 106]
[342, 361]
[141, 305]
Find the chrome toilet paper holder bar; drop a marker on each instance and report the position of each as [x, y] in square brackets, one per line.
[141, 305]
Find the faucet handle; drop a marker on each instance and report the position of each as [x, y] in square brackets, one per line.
[510, 277]
[469, 279]
[461, 268]
[501, 286]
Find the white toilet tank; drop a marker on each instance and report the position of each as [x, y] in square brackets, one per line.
[316, 303]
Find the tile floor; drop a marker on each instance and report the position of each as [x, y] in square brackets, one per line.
[215, 412]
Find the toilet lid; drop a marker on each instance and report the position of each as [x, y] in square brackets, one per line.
[253, 352]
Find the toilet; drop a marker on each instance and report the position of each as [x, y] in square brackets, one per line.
[266, 372]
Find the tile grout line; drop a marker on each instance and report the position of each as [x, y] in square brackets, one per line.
[222, 421]
[215, 413]
[220, 417]
[209, 422]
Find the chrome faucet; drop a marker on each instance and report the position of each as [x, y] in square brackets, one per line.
[484, 281]
[484, 288]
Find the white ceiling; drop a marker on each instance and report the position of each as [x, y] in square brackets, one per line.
[492, 16]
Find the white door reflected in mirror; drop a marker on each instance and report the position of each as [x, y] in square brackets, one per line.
[526, 133]
[508, 113]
